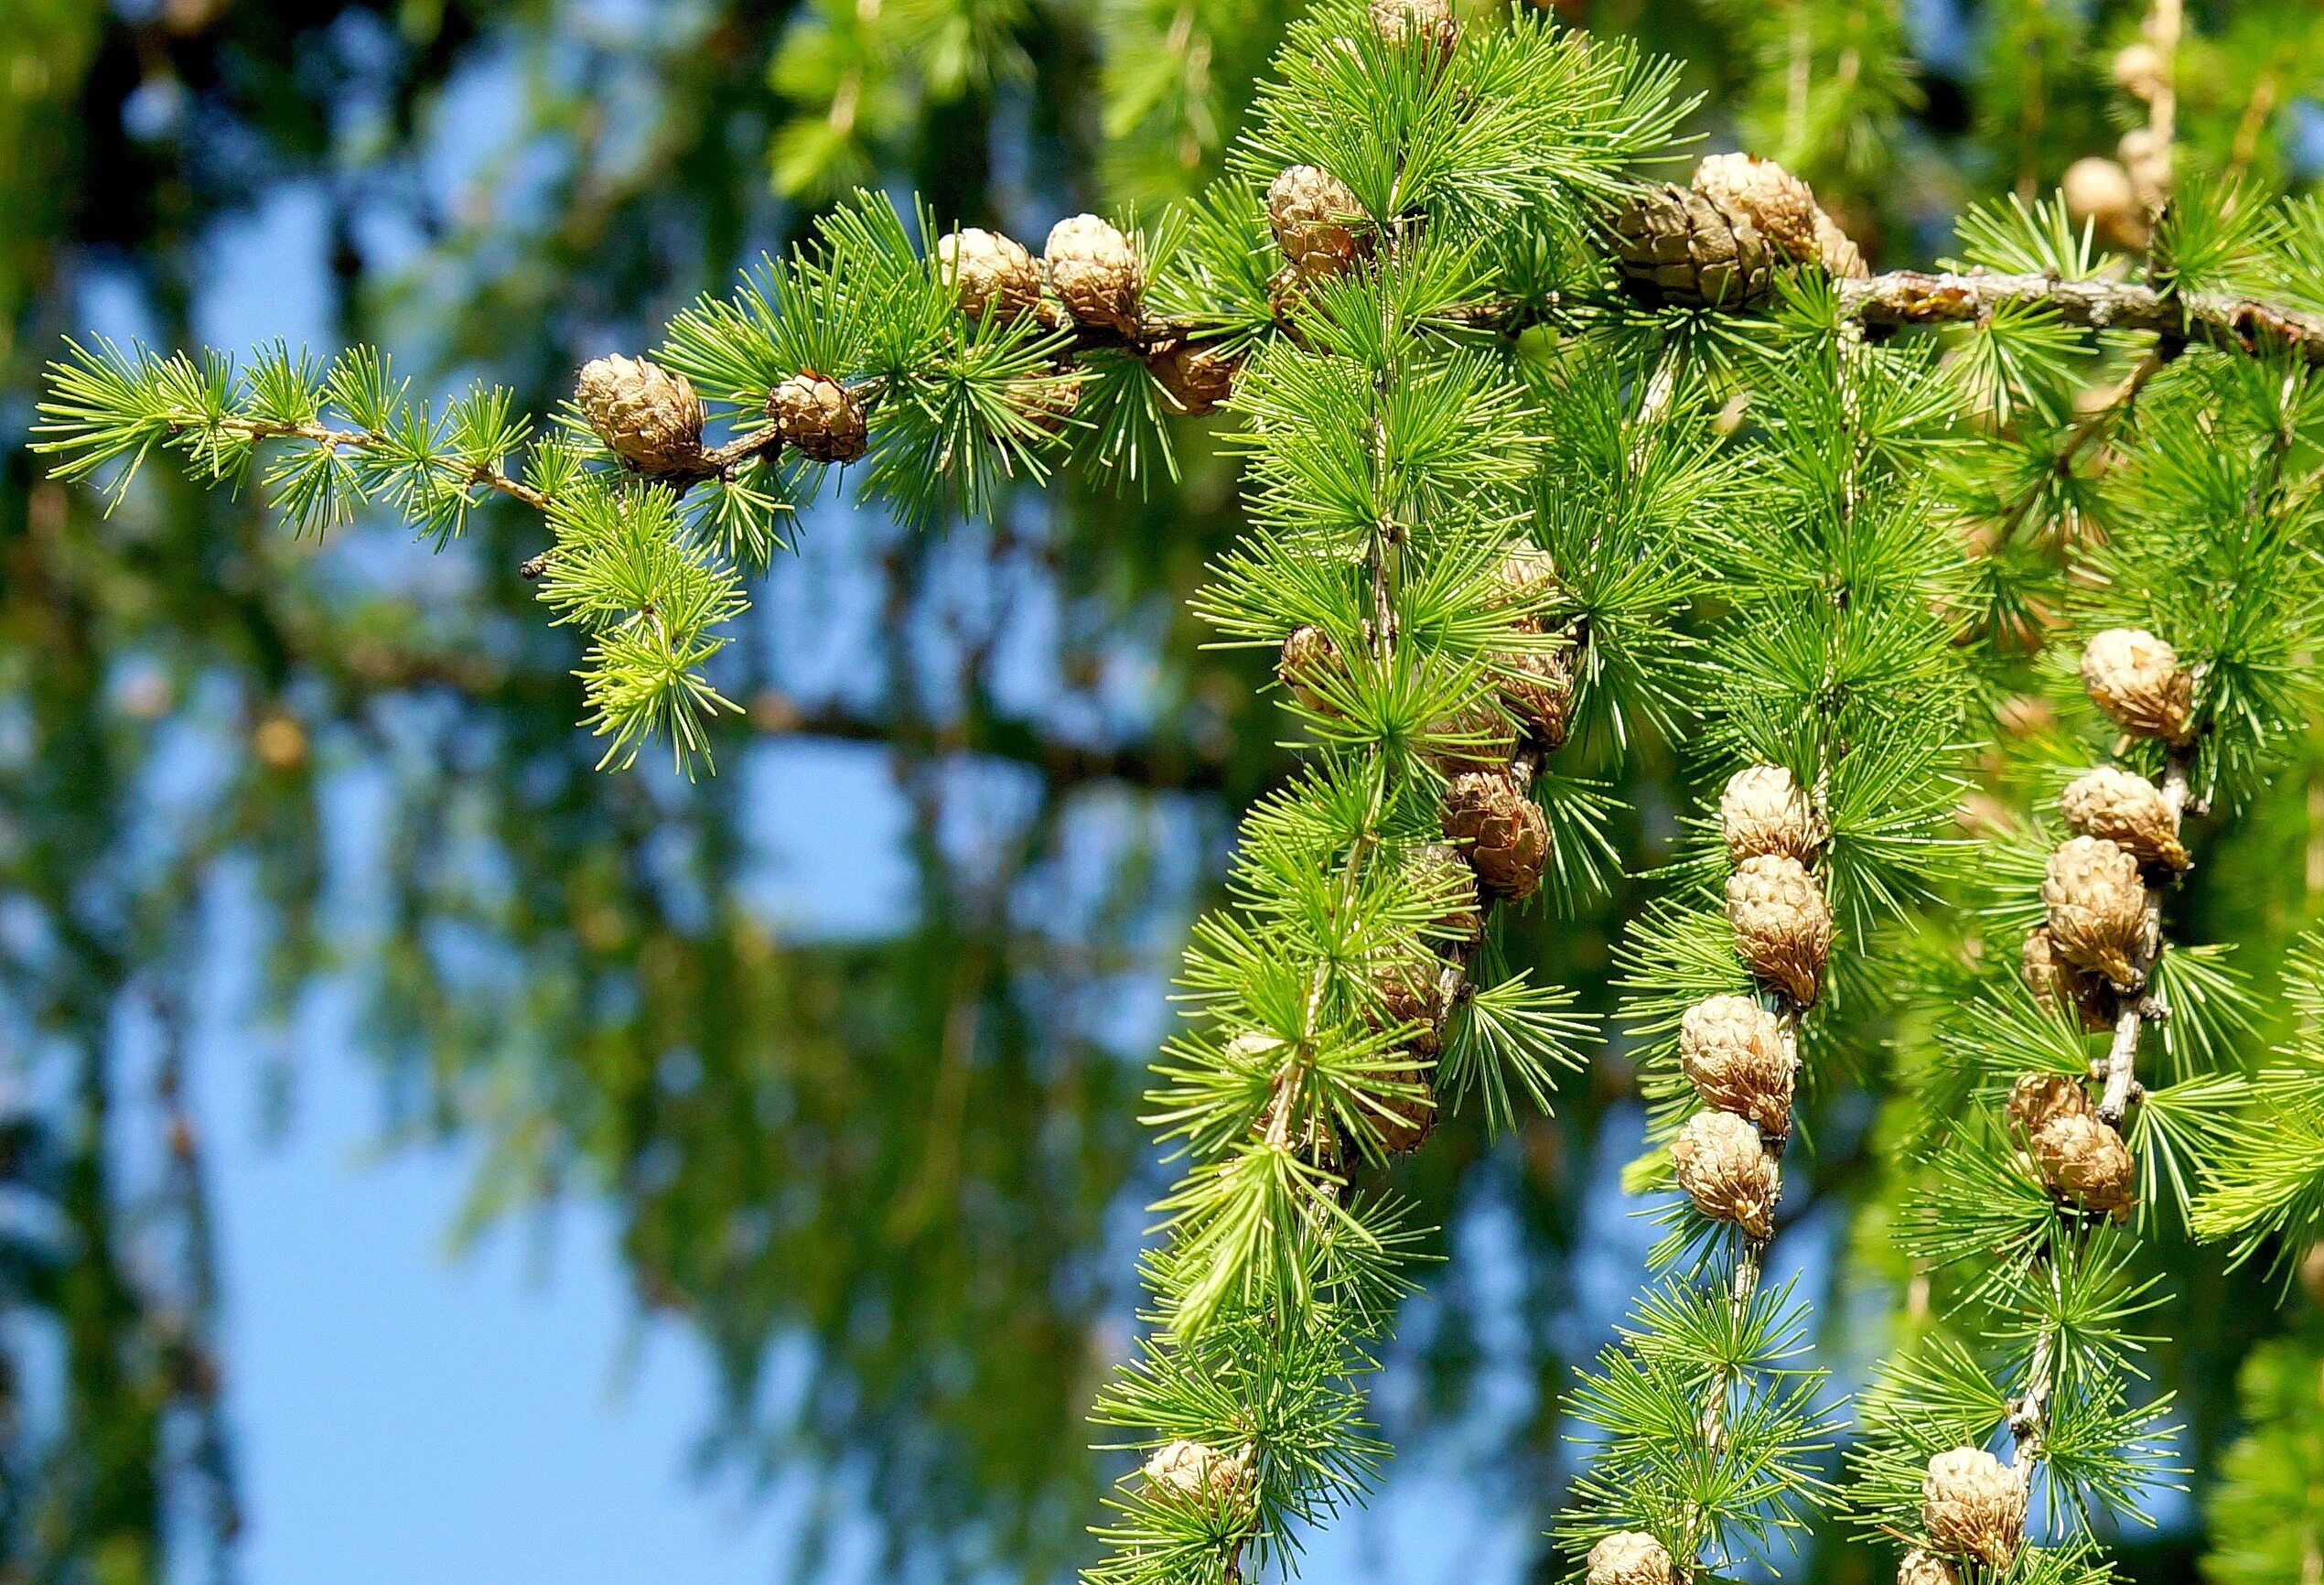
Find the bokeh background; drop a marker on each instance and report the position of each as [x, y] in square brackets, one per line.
[424, 1157]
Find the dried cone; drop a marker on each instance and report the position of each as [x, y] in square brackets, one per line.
[1629, 1557]
[1504, 831]
[818, 419]
[2084, 1163]
[1727, 1172]
[1477, 736]
[1527, 574]
[2098, 909]
[2036, 1100]
[1196, 378]
[1972, 1504]
[1437, 870]
[1782, 925]
[1406, 1121]
[2058, 985]
[1095, 272]
[1411, 994]
[2128, 810]
[1308, 210]
[1047, 401]
[646, 416]
[1720, 241]
[1402, 21]
[2135, 678]
[992, 274]
[1762, 811]
[1918, 1567]
[1310, 662]
[1538, 689]
[1732, 1051]
[1192, 1472]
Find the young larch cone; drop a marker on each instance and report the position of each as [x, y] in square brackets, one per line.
[1920, 1567]
[1973, 1505]
[1406, 1121]
[1047, 401]
[1095, 272]
[1527, 574]
[2099, 191]
[2097, 907]
[1190, 1471]
[646, 416]
[1732, 1051]
[2058, 985]
[2036, 1100]
[2135, 678]
[1308, 210]
[1411, 994]
[818, 419]
[2084, 1163]
[1538, 690]
[993, 274]
[1502, 830]
[1400, 21]
[1719, 241]
[1782, 925]
[1629, 1557]
[1727, 1172]
[1477, 736]
[2127, 810]
[1196, 378]
[1438, 870]
[1763, 811]
[1309, 659]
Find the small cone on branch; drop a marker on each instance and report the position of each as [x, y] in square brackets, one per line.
[1196, 378]
[1719, 241]
[1972, 1504]
[2135, 678]
[1189, 1472]
[1047, 401]
[1920, 1567]
[1732, 1051]
[1782, 925]
[1437, 869]
[1403, 21]
[1411, 994]
[1527, 576]
[1538, 689]
[1095, 272]
[2138, 69]
[2127, 810]
[2036, 1100]
[1727, 1172]
[818, 419]
[2084, 1163]
[1309, 209]
[2098, 909]
[1477, 736]
[1501, 829]
[2098, 190]
[993, 274]
[646, 416]
[1763, 811]
[2058, 985]
[1629, 1557]
[1310, 661]
[1406, 1121]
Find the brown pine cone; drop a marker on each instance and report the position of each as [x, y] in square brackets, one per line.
[1197, 378]
[1502, 830]
[1629, 1557]
[1047, 401]
[1412, 994]
[1973, 1505]
[1538, 689]
[2058, 985]
[1763, 811]
[1432, 20]
[1732, 1051]
[1310, 660]
[1095, 272]
[2084, 1163]
[2128, 810]
[1189, 1471]
[1406, 1121]
[2135, 678]
[1719, 241]
[1782, 925]
[2098, 909]
[1308, 210]
[1437, 869]
[1727, 1172]
[1923, 1567]
[1527, 576]
[2036, 1100]
[818, 418]
[993, 274]
[1477, 736]
[646, 416]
